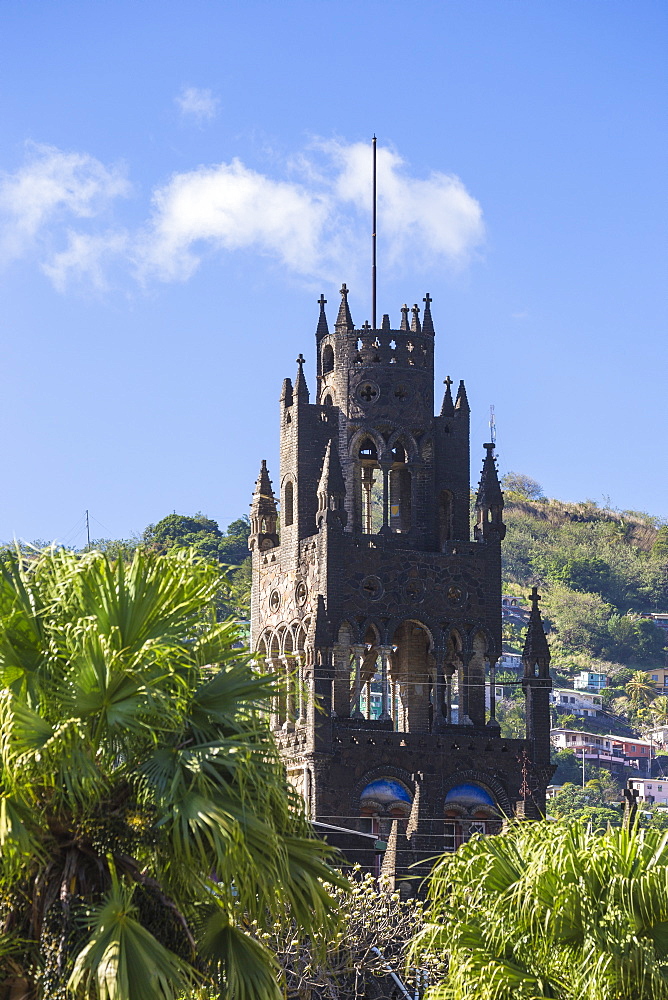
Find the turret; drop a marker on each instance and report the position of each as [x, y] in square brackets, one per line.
[537, 685]
[331, 491]
[263, 513]
[489, 500]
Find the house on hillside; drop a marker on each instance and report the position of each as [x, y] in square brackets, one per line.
[659, 677]
[589, 680]
[636, 752]
[650, 790]
[581, 703]
[598, 750]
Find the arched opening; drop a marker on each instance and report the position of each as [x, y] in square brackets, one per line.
[327, 401]
[400, 491]
[327, 359]
[288, 504]
[445, 532]
[412, 679]
[469, 808]
[383, 800]
[371, 487]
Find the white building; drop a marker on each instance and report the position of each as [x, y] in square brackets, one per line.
[598, 750]
[581, 703]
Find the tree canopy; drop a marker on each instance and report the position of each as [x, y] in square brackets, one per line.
[145, 820]
[551, 909]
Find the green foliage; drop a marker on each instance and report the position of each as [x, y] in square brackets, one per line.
[621, 557]
[522, 486]
[203, 535]
[596, 804]
[144, 814]
[552, 909]
[660, 547]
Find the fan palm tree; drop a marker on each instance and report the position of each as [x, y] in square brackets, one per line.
[552, 910]
[146, 827]
[640, 689]
[659, 710]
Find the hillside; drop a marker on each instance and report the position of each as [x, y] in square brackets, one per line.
[599, 571]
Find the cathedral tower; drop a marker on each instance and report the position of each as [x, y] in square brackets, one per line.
[378, 608]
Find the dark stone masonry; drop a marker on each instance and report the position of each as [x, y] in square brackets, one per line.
[383, 613]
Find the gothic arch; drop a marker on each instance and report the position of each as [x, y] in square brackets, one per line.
[495, 787]
[359, 438]
[383, 771]
[327, 359]
[478, 629]
[406, 439]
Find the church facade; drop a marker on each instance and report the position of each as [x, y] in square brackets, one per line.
[381, 608]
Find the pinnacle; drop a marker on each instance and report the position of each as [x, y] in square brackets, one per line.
[404, 317]
[535, 646]
[489, 491]
[462, 403]
[427, 322]
[344, 320]
[322, 328]
[264, 501]
[332, 482]
[301, 389]
[448, 407]
[415, 322]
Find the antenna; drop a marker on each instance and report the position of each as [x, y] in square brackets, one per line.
[373, 240]
[87, 529]
[492, 424]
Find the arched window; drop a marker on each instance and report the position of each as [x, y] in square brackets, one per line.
[400, 490]
[327, 359]
[327, 401]
[371, 487]
[288, 505]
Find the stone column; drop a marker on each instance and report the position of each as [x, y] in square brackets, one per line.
[385, 654]
[449, 670]
[439, 692]
[385, 469]
[492, 689]
[286, 665]
[275, 714]
[301, 694]
[464, 719]
[355, 709]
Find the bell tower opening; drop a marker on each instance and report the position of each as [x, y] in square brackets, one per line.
[370, 487]
[400, 491]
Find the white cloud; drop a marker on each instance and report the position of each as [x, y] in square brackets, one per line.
[197, 103]
[50, 187]
[431, 217]
[313, 221]
[86, 258]
[308, 226]
[232, 207]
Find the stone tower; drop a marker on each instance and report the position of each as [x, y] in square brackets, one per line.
[378, 608]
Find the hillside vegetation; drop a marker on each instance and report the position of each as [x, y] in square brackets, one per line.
[599, 571]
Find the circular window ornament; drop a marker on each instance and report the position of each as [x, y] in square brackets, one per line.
[367, 393]
[301, 594]
[372, 588]
[274, 600]
[414, 591]
[403, 393]
[456, 596]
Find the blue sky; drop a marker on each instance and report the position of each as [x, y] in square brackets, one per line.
[179, 182]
